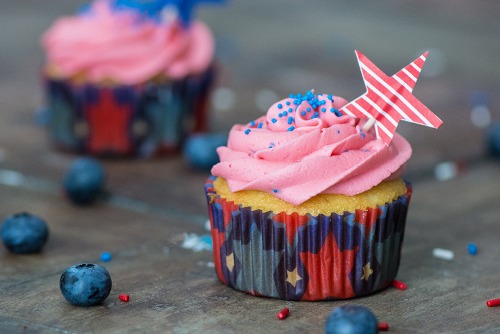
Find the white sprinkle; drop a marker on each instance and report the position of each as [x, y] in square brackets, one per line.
[197, 243]
[207, 225]
[446, 171]
[11, 178]
[443, 254]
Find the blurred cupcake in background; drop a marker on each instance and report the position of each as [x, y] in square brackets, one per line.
[127, 77]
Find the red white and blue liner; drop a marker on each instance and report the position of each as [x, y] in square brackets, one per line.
[143, 120]
[305, 257]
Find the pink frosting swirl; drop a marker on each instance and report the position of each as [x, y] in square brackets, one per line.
[120, 45]
[304, 147]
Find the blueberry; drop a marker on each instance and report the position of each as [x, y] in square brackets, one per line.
[351, 319]
[85, 284]
[200, 150]
[84, 181]
[24, 233]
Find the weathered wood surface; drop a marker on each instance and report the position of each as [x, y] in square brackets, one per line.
[284, 46]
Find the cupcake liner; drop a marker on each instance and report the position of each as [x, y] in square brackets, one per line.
[127, 120]
[305, 257]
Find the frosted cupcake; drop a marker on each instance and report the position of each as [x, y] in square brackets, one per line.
[307, 202]
[305, 205]
[124, 79]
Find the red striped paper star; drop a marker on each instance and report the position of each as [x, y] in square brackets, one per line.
[388, 100]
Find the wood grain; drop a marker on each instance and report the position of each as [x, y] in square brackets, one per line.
[152, 204]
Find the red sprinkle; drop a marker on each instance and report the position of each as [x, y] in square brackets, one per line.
[383, 326]
[399, 285]
[124, 298]
[284, 313]
[493, 302]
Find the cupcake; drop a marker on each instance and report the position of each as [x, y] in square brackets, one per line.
[124, 78]
[308, 202]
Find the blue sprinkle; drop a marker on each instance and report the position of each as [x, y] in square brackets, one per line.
[105, 256]
[338, 131]
[252, 123]
[472, 248]
[323, 109]
[260, 125]
[280, 115]
[291, 96]
[290, 120]
[290, 109]
[363, 135]
[274, 120]
[270, 146]
[330, 97]
[291, 128]
[297, 102]
[316, 114]
[280, 106]
[275, 190]
[247, 131]
[299, 95]
[287, 103]
[303, 113]
[322, 102]
[308, 109]
[285, 113]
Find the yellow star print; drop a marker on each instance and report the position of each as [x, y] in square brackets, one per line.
[367, 271]
[292, 277]
[230, 261]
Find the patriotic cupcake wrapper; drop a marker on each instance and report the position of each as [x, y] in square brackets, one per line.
[126, 120]
[305, 257]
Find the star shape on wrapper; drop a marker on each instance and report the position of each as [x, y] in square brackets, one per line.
[100, 115]
[293, 277]
[367, 271]
[389, 100]
[230, 261]
[336, 270]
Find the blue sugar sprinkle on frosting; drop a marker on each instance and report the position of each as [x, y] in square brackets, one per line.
[287, 103]
[323, 109]
[247, 131]
[291, 128]
[303, 113]
[290, 119]
[280, 115]
[274, 120]
[280, 106]
[252, 123]
[275, 190]
[285, 113]
[260, 125]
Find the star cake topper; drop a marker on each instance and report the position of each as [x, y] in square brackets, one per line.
[389, 100]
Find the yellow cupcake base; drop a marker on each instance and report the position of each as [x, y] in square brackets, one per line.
[326, 204]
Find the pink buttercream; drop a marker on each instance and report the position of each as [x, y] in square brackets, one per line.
[107, 43]
[296, 154]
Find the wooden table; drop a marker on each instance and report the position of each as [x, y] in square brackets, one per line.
[152, 205]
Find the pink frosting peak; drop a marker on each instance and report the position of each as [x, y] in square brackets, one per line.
[106, 43]
[304, 147]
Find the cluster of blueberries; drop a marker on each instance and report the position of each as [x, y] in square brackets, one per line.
[88, 284]
[83, 284]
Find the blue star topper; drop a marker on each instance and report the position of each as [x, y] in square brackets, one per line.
[153, 8]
